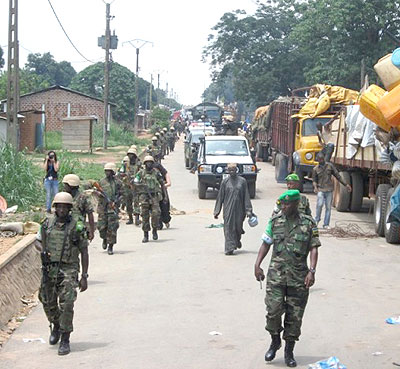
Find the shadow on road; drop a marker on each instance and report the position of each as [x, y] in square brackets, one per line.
[85, 346]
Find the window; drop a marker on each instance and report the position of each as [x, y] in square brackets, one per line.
[226, 147]
[310, 126]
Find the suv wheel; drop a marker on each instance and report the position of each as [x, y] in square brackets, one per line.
[202, 189]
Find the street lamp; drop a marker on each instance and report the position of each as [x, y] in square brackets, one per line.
[137, 44]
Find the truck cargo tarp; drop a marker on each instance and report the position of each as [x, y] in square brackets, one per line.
[323, 96]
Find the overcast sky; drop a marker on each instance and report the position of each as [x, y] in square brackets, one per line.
[178, 29]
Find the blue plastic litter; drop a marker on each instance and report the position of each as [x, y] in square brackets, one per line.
[331, 363]
[393, 320]
[396, 58]
[394, 215]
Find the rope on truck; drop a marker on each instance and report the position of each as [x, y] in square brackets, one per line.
[349, 231]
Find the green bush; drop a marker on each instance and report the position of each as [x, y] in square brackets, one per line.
[20, 179]
[53, 140]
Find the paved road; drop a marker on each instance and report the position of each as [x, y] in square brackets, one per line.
[152, 306]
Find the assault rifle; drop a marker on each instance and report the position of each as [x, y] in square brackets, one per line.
[109, 203]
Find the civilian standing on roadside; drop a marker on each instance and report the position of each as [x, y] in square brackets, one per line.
[51, 166]
[323, 187]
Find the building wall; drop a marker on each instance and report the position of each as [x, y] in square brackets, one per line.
[27, 130]
[56, 106]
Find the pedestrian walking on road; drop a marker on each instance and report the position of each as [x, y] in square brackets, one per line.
[132, 198]
[150, 185]
[171, 138]
[165, 216]
[110, 190]
[233, 197]
[81, 206]
[61, 242]
[293, 236]
[51, 166]
[154, 149]
[293, 183]
[323, 187]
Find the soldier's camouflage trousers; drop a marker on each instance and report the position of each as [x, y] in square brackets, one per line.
[150, 206]
[108, 224]
[58, 296]
[132, 203]
[291, 301]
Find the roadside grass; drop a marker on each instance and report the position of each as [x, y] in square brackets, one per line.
[53, 140]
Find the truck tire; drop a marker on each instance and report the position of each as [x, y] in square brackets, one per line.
[344, 200]
[252, 189]
[392, 230]
[186, 163]
[380, 208]
[202, 190]
[300, 173]
[357, 193]
[281, 168]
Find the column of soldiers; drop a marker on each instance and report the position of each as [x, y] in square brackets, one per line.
[63, 238]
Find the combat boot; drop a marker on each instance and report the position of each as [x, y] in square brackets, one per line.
[276, 344]
[130, 221]
[104, 245]
[146, 237]
[64, 348]
[54, 334]
[289, 357]
[137, 220]
[110, 250]
[155, 235]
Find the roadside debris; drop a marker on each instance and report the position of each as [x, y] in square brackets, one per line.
[378, 353]
[331, 363]
[174, 211]
[215, 333]
[17, 227]
[393, 320]
[346, 230]
[221, 225]
[11, 210]
[27, 340]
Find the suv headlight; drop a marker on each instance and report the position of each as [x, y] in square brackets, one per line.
[219, 170]
[205, 168]
[249, 168]
[308, 156]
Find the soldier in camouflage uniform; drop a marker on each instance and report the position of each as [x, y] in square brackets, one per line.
[171, 138]
[61, 241]
[130, 194]
[293, 183]
[293, 235]
[154, 149]
[82, 205]
[107, 209]
[165, 137]
[150, 184]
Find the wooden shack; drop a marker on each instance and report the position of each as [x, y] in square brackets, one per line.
[77, 133]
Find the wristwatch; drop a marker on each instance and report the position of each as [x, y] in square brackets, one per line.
[85, 275]
[312, 270]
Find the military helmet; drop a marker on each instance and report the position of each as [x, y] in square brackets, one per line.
[71, 179]
[165, 129]
[172, 129]
[125, 159]
[154, 138]
[63, 198]
[148, 158]
[132, 151]
[157, 134]
[110, 166]
[134, 147]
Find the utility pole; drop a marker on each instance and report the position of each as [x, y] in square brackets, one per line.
[158, 81]
[107, 79]
[151, 90]
[137, 44]
[13, 75]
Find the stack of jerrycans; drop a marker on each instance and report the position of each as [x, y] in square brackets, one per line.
[382, 107]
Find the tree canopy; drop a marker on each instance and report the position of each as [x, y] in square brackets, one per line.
[292, 43]
[1, 58]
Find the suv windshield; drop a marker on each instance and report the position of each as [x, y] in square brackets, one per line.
[195, 138]
[226, 147]
[310, 126]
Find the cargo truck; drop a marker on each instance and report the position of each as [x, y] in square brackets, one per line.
[369, 178]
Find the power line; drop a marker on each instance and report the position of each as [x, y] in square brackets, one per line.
[59, 22]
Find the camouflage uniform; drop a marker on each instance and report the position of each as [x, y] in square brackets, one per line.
[150, 194]
[304, 206]
[129, 192]
[58, 293]
[286, 292]
[81, 207]
[155, 152]
[163, 142]
[108, 220]
[171, 140]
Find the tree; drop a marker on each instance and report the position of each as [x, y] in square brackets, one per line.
[122, 88]
[1, 58]
[49, 70]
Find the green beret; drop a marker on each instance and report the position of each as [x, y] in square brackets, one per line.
[293, 177]
[290, 195]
